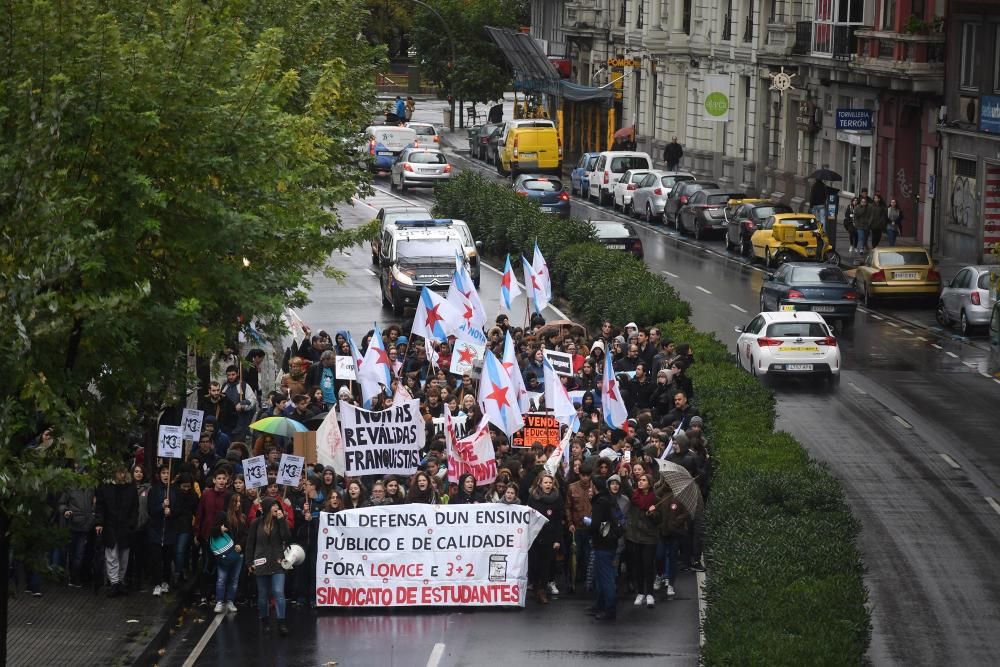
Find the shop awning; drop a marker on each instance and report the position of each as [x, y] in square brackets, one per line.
[580, 93]
[531, 67]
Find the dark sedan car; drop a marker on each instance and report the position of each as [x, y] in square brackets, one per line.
[746, 217]
[679, 197]
[479, 139]
[548, 191]
[618, 236]
[821, 288]
[704, 214]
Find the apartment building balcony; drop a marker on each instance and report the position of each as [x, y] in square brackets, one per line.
[912, 62]
[584, 19]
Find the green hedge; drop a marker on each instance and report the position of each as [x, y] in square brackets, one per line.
[784, 584]
[589, 276]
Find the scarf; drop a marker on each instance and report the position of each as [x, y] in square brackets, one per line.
[643, 500]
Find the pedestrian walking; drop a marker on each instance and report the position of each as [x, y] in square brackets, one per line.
[863, 213]
[895, 221]
[161, 531]
[879, 219]
[137, 550]
[266, 542]
[410, 106]
[117, 513]
[642, 536]
[852, 232]
[605, 530]
[76, 512]
[227, 539]
[545, 499]
[672, 154]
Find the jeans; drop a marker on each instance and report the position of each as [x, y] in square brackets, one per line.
[227, 575]
[643, 567]
[862, 238]
[271, 585]
[876, 237]
[180, 555]
[77, 554]
[891, 233]
[668, 556]
[604, 579]
[116, 560]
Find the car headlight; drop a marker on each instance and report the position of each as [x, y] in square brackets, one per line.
[404, 277]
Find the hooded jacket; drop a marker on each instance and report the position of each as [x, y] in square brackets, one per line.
[264, 552]
[117, 513]
[603, 506]
[81, 503]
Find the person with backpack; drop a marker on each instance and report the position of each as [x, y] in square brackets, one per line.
[604, 533]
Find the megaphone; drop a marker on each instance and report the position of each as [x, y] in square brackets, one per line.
[294, 555]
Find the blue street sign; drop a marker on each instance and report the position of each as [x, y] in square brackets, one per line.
[989, 114]
[858, 120]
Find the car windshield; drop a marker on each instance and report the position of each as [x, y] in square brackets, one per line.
[541, 184]
[761, 212]
[620, 165]
[427, 158]
[903, 258]
[611, 230]
[718, 200]
[670, 181]
[817, 274]
[637, 176]
[444, 249]
[804, 224]
[796, 330]
[424, 130]
[984, 281]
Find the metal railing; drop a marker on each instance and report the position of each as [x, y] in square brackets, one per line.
[748, 29]
[845, 44]
[803, 38]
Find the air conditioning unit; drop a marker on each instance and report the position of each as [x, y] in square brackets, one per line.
[968, 110]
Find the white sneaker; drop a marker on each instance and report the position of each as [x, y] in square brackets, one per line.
[650, 602]
[639, 599]
[552, 588]
[219, 608]
[657, 583]
[164, 588]
[230, 607]
[670, 592]
[156, 591]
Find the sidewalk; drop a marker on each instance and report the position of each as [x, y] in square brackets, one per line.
[75, 626]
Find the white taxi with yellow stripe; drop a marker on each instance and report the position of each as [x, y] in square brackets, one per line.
[789, 343]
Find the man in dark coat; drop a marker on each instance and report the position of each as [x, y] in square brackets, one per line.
[115, 519]
[604, 534]
[672, 155]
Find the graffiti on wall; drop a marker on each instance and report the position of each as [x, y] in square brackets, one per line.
[963, 202]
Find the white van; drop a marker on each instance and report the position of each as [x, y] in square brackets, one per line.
[386, 142]
[609, 168]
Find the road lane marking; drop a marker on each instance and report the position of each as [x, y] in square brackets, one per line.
[203, 642]
[936, 346]
[436, 653]
[907, 331]
[672, 275]
[952, 355]
[921, 338]
[902, 421]
[950, 461]
[994, 504]
[858, 389]
[699, 287]
[892, 324]
[862, 309]
[986, 375]
[555, 310]
[370, 272]
[877, 317]
[742, 310]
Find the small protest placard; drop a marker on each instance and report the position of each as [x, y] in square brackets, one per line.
[191, 421]
[255, 472]
[466, 357]
[562, 362]
[290, 469]
[345, 368]
[169, 442]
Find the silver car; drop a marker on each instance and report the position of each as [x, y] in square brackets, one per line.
[652, 191]
[419, 167]
[966, 299]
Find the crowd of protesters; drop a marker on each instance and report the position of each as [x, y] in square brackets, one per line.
[613, 525]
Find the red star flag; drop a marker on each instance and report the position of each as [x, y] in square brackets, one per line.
[543, 281]
[615, 412]
[376, 369]
[557, 398]
[435, 318]
[508, 285]
[497, 397]
[514, 370]
[463, 296]
[466, 356]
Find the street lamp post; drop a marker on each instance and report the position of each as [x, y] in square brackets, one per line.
[451, 76]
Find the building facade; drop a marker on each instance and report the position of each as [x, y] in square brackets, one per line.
[969, 188]
[867, 84]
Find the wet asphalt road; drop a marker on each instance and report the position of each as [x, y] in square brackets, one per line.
[913, 433]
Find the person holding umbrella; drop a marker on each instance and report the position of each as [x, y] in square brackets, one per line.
[819, 197]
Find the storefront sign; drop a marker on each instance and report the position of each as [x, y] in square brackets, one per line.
[425, 555]
[856, 120]
[715, 106]
[624, 62]
[989, 114]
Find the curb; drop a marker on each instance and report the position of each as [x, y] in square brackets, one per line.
[150, 654]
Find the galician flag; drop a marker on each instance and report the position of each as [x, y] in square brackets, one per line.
[462, 295]
[435, 317]
[375, 370]
[514, 370]
[531, 286]
[543, 287]
[355, 354]
[509, 289]
[557, 398]
[497, 397]
[615, 412]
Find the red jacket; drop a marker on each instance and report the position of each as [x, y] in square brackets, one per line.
[212, 502]
[286, 507]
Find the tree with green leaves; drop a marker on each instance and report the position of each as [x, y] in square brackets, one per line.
[168, 173]
[479, 72]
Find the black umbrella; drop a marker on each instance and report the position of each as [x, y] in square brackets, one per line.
[826, 175]
[314, 422]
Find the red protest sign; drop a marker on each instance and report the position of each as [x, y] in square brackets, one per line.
[540, 427]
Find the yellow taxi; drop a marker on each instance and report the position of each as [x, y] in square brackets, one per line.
[899, 272]
[792, 237]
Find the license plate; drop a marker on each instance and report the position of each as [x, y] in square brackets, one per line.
[785, 307]
[385, 152]
[799, 367]
[616, 246]
[529, 155]
[547, 209]
[799, 348]
[824, 309]
[905, 275]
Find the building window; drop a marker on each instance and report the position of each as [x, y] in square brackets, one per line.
[748, 23]
[621, 13]
[834, 25]
[727, 22]
[642, 10]
[686, 25]
[968, 79]
[857, 167]
[889, 15]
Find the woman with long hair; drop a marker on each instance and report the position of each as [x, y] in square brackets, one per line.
[546, 500]
[394, 490]
[161, 531]
[422, 490]
[307, 535]
[641, 537]
[228, 552]
[268, 535]
[467, 494]
[378, 497]
[355, 495]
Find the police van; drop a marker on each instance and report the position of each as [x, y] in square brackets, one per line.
[414, 254]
